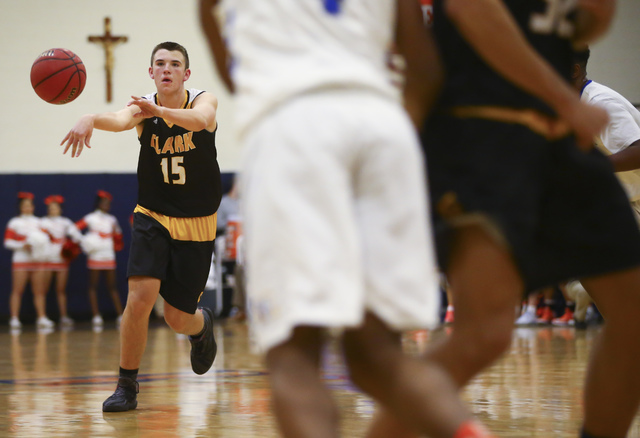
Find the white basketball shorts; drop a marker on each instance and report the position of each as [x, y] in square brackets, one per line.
[336, 224]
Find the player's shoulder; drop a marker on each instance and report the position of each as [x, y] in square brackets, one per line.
[598, 94]
[195, 93]
[150, 96]
[596, 90]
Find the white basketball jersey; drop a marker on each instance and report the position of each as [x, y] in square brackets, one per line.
[623, 129]
[283, 48]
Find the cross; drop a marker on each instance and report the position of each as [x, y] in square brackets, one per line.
[108, 42]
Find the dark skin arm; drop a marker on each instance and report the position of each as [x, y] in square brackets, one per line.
[216, 43]
[593, 19]
[627, 159]
[499, 41]
[423, 75]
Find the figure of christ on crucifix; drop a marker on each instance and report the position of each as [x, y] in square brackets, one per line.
[108, 42]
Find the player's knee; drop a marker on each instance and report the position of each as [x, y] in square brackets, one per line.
[368, 364]
[175, 320]
[139, 304]
[487, 344]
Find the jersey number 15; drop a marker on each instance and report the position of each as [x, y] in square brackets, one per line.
[176, 170]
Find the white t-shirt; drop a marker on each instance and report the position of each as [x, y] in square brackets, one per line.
[623, 128]
[283, 48]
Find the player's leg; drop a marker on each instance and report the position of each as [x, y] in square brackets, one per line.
[487, 289]
[612, 390]
[182, 288]
[133, 341]
[419, 392]
[19, 280]
[183, 322]
[135, 320]
[112, 286]
[302, 403]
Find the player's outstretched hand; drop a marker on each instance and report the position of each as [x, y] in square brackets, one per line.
[147, 108]
[587, 122]
[79, 136]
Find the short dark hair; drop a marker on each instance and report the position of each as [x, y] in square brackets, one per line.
[171, 46]
[582, 57]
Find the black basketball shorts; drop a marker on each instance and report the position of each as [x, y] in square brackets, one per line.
[560, 211]
[182, 266]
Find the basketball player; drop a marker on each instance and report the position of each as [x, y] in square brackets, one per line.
[524, 199]
[174, 222]
[334, 203]
[621, 136]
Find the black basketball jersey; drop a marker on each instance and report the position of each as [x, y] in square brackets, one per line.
[178, 172]
[547, 25]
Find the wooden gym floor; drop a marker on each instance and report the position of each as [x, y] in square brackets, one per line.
[53, 384]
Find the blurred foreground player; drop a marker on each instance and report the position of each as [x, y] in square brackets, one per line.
[521, 200]
[174, 223]
[333, 183]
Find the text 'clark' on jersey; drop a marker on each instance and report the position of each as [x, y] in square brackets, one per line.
[178, 172]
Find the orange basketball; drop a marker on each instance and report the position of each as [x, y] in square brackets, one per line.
[58, 76]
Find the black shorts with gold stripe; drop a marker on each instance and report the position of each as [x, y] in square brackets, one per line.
[177, 251]
[560, 211]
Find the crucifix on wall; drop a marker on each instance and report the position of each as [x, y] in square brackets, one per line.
[108, 42]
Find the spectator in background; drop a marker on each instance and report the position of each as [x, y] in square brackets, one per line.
[100, 243]
[29, 243]
[229, 206]
[61, 230]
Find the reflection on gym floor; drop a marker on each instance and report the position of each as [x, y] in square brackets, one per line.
[53, 384]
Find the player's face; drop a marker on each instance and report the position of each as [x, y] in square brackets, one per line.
[26, 206]
[54, 209]
[168, 70]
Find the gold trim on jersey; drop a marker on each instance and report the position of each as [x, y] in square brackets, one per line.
[542, 124]
[193, 229]
[185, 105]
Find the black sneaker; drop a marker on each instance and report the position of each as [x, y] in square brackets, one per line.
[204, 348]
[124, 397]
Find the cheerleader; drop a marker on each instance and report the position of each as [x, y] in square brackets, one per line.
[102, 239]
[30, 245]
[64, 236]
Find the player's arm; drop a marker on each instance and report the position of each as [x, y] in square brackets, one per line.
[201, 115]
[627, 159]
[423, 74]
[621, 135]
[593, 19]
[216, 43]
[490, 29]
[80, 135]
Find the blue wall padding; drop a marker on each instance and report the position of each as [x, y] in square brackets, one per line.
[79, 191]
